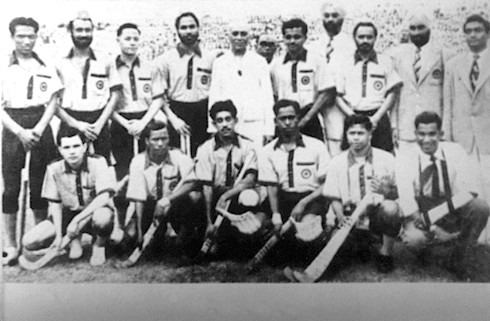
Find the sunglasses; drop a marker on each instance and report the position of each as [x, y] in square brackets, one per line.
[295, 37]
[333, 15]
[266, 44]
[241, 33]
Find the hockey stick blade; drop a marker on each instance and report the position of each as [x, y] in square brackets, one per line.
[138, 251]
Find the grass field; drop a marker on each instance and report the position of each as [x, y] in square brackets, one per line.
[165, 269]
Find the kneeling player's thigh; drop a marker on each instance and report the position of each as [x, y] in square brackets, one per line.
[39, 236]
[102, 217]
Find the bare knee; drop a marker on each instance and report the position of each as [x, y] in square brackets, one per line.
[103, 221]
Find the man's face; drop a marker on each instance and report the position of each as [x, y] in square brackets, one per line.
[82, 33]
[157, 142]
[419, 34]
[287, 120]
[72, 149]
[365, 39]
[239, 37]
[129, 41]
[358, 137]
[266, 47]
[332, 20]
[24, 39]
[428, 137]
[294, 40]
[225, 124]
[188, 31]
[475, 35]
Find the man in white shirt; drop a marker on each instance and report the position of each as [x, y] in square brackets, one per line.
[242, 76]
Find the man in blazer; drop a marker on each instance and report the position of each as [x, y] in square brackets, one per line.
[467, 99]
[420, 63]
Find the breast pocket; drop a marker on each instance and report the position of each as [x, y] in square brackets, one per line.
[145, 89]
[435, 77]
[306, 81]
[42, 88]
[377, 82]
[98, 83]
[306, 172]
[203, 80]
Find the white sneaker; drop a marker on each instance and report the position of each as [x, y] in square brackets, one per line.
[76, 249]
[98, 256]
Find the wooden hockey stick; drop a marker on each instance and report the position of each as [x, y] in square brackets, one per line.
[54, 251]
[316, 268]
[24, 200]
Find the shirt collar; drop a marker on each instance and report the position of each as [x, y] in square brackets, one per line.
[351, 160]
[83, 167]
[439, 154]
[299, 142]
[91, 54]
[148, 162]
[195, 49]
[218, 142]
[482, 55]
[15, 61]
[373, 56]
[120, 62]
[302, 57]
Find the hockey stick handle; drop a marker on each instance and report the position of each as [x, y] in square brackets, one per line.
[270, 244]
[24, 199]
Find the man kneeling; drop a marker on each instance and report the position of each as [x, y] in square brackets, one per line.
[74, 183]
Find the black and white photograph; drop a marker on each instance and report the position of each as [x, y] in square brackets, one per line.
[245, 160]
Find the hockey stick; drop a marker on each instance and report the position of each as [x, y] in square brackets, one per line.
[316, 268]
[271, 242]
[54, 251]
[24, 199]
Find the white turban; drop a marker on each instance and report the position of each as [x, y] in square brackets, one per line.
[418, 18]
[333, 7]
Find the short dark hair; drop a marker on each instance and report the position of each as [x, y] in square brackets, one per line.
[358, 119]
[219, 106]
[152, 125]
[365, 24]
[23, 21]
[70, 24]
[66, 131]
[477, 18]
[283, 103]
[295, 23]
[183, 15]
[428, 117]
[128, 25]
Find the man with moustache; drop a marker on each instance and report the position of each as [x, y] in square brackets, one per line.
[92, 87]
[369, 85]
[266, 47]
[302, 76]
[242, 76]
[334, 46]
[420, 64]
[29, 91]
[186, 73]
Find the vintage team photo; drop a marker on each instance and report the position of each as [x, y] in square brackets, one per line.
[191, 142]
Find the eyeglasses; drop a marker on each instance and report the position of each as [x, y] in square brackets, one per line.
[333, 15]
[241, 33]
[266, 44]
[295, 37]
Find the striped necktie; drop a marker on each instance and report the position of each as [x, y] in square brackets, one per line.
[329, 50]
[475, 72]
[416, 63]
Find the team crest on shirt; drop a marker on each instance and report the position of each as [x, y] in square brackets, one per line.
[146, 88]
[172, 185]
[305, 80]
[43, 86]
[378, 85]
[437, 74]
[204, 79]
[306, 173]
[99, 84]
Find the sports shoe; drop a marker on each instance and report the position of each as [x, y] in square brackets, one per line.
[384, 263]
[98, 256]
[76, 249]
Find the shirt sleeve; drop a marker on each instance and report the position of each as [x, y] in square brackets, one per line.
[325, 77]
[137, 186]
[340, 76]
[50, 189]
[163, 71]
[186, 168]
[393, 80]
[204, 165]
[267, 174]
[323, 160]
[331, 188]
[266, 98]
[105, 180]
[115, 82]
[56, 84]
[405, 173]
[158, 86]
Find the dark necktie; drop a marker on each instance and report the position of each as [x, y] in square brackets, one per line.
[475, 72]
[417, 64]
[429, 180]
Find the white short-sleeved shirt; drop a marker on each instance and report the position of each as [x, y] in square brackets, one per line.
[76, 189]
[186, 75]
[348, 180]
[301, 80]
[365, 84]
[299, 170]
[141, 84]
[218, 166]
[22, 88]
[90, 89]
[144, 175]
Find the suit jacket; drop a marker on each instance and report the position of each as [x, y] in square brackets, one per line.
[426, 94]
[467, 112]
